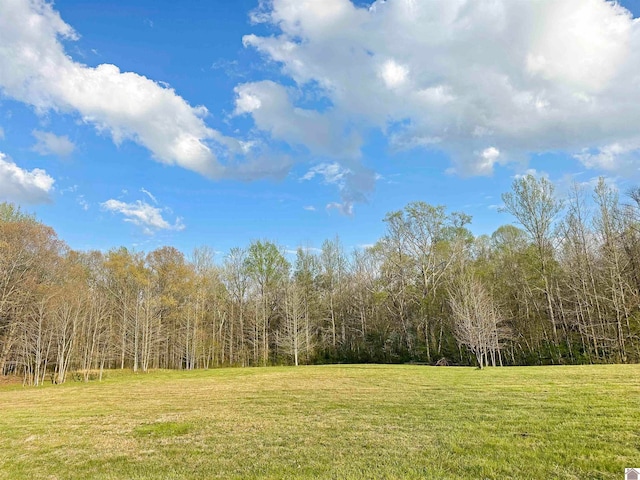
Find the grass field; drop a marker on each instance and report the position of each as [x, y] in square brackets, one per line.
[351, 422]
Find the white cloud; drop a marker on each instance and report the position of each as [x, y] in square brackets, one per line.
[272, 110]
[1, 133]
[461, 76]
[487, 81]
[50, 144]
[618, 157]
[23, 186]
[309, 208]
[482, 163]
[142, 214]
[36, 69]
[331, 172]
[488, 157]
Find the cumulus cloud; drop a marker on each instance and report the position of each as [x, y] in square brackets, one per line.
[50, 144]
[615, 157]
[36, 69]
[487, 81]
[23, 186]
[487, 159]
[321, 134]
[271, 107]
[142, 214]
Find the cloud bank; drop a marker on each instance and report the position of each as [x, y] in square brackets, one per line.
[36, 69]
[489, 82]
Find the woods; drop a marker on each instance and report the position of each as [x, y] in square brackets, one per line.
[560, 286]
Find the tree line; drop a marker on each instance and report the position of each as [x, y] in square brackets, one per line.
[562, 287]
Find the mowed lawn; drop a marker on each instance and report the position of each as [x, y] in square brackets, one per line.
[341, 422]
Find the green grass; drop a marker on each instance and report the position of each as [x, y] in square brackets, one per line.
[339, 422]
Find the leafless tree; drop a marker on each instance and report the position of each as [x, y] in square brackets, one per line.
[477, 321]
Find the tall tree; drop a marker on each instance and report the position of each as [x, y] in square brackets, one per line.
[236, 278]
[268, 268]
[173, 280]
[29, 252]
[306, 273]
[613, 229]
[535, 206]
[433, 241]
[332, 276]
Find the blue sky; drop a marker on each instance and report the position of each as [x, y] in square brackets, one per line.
[149, 123]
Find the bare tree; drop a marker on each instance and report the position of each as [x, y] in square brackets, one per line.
[477, 322]
[293, 339]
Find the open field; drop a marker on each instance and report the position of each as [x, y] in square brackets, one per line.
[360, 421]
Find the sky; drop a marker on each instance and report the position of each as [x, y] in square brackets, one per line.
[145, 123]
